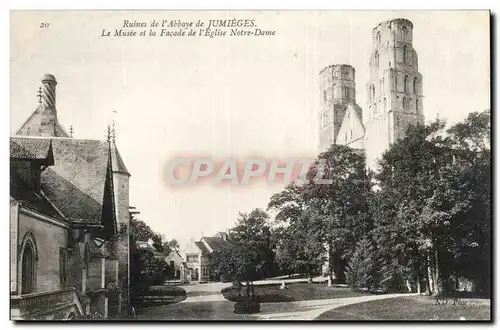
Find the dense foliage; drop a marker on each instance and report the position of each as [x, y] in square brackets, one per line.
[424, 218]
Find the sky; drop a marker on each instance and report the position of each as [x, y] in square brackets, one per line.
[225, 97]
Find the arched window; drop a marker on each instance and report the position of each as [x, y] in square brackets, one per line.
[405, 103]
[415, 85]
[405, 54]
[404, 34]
[416, 104]
[405, 84]
[28, 265]
[376, 59]
[379, 37]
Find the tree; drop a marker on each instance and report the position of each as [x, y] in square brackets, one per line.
[153, 267]
[142, 232]
[363, 267]
[247, 253]
[339, 207]
[434, 203]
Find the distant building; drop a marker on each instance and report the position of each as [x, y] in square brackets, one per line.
[394, 98]
[69, 220]
[178, 264]
[394, 95]
[197, 254]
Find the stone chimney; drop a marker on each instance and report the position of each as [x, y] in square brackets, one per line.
[49, 83]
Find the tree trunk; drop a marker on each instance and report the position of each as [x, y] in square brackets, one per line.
[430, 279]
[418, 280]
[438, 288]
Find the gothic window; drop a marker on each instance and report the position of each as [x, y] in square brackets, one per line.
[405, 84]
[415, 85]
[324, 96]
[376, 59]
[379, 37]
[405, 103]
[28, 266]
[416, 104]
[405, 54]
[351, 134]
[373, 92]
[385, 104]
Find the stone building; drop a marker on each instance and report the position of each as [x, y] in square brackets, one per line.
[69, 220]
[394, 98]
[394, 95]
[196, 256]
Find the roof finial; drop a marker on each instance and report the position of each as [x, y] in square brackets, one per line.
[113, 132]
[71, 131]
[39, 95]
[109, 134]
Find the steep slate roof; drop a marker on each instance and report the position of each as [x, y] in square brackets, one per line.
[215, 242]
[31, 149]
[202, 247]
[22, 193]
[117, 161]
[75, 184]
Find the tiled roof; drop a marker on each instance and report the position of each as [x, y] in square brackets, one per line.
[75, 184]
[22, 193]
[31, 148]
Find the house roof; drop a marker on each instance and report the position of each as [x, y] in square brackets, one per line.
[22, 193]
[215, 242]
[202, 247]
[78, 177]
[31, 148]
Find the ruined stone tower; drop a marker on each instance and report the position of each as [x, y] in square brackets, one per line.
[394, 90]
[337, 93]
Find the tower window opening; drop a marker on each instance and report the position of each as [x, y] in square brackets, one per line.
[385, 104]
[404, 34]
[376, 59]
[415, 85]
[405, 54]
[406, 84]
[379, 37]
[416, 105]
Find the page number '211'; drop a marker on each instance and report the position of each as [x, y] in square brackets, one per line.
[44, 25]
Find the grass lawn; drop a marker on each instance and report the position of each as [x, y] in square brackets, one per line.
[161, 295]
[411, 308]
[293, 292]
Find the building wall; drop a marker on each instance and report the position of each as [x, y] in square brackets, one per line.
[49, 239]
[14, 243]
[394, 90]
[121, 195]
[337, 93]
[352, 131]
